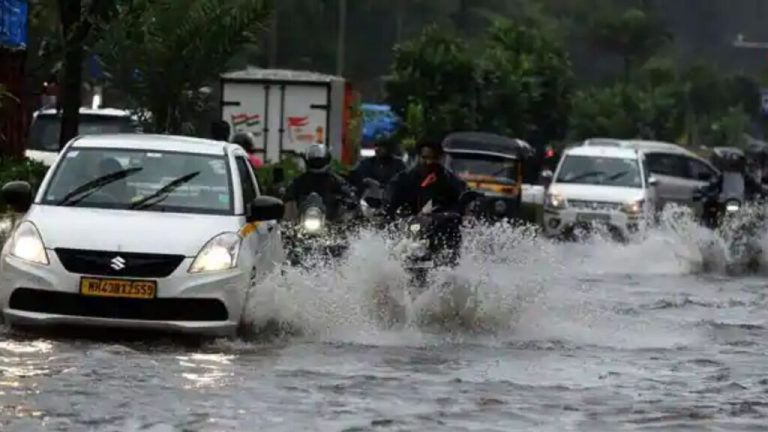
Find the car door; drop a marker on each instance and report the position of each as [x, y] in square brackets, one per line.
[671, 172]
[700, 174]
[263, 240]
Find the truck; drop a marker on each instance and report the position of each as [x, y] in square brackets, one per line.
[289, 110]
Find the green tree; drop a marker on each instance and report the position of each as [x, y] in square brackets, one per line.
[525, 81]
[632, 35]
[436, 73]
[161, 53]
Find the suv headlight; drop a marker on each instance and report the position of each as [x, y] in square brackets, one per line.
[633, 207]
[555, 200]
[220, 253]
[27, 244]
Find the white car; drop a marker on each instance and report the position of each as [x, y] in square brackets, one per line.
[679, 172]
[43, 140]
[605, 185]
[140, 231]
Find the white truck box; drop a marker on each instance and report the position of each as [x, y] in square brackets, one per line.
[285, 110]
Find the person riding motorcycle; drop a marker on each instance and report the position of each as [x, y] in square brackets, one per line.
[382, 167]
[247, 141]
[430, 182]
[318, 178]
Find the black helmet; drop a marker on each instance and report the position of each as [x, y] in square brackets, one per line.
[246, 140]
[317, 158]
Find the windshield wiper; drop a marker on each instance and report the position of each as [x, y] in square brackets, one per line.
[618, 175]
[583, 176]
[164, 192]
[84, 191]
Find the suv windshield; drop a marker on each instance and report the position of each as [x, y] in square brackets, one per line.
[142, 180]
[44, 132]
[502, 169]
[603, 171]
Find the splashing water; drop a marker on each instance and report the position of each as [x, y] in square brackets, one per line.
[506, 274]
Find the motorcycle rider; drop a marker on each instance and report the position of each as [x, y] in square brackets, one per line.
[382, 167]
[318, 178]
[430, 181]
[247, 141]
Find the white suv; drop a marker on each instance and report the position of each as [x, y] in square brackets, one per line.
[595, 184]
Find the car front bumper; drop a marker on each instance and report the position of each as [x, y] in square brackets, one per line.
[204, 304]
[561, 221]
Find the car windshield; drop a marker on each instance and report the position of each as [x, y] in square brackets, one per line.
[44, 132]
[502, 169]
[141, 180]
[605, 171]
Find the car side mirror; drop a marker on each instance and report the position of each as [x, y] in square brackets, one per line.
[17, 195]
[653, 182]
[265, 208]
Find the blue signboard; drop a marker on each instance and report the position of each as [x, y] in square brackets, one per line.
[13, 23]
[378, 121]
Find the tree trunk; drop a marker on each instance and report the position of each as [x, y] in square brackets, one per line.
[72, 30]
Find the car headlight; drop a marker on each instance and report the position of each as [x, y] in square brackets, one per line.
[732, 206]
[312, 220]
[220, 253]
[27, 244]
[633, 207]
[555, 200]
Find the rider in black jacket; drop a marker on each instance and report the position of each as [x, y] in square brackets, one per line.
[383, 167]
[320, 179]
[430, 182]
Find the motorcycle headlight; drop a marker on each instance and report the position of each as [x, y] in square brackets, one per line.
[312, 220]
[500, 207]
[27, 244]
[633, 207]
[220, 253]
[555, 200]
[414, 228]
[732, 206]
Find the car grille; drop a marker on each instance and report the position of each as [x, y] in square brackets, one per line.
[160, 309]
[121, 264]
[594, 205]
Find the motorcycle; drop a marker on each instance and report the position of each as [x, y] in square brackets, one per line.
[314, 236]
[433, 238]
[724, 210]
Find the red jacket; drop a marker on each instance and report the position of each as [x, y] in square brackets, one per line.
[255, 161]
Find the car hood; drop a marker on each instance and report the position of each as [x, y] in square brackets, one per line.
[127, 231]
[583, 192]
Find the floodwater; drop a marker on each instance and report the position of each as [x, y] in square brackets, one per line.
[591, 336]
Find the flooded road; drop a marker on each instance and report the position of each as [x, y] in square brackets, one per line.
[593, 337]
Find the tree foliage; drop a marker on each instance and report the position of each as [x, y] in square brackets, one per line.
[160, 53]
[518, 84]
[525, 81]
[435, 73]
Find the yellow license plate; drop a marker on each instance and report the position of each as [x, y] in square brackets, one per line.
[121, 288]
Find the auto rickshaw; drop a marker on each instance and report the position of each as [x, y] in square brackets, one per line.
[491, 164]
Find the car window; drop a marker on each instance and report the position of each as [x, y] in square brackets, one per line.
[667, 164]
[698, 170]
[604, 171]
[129, 179]
[249, 190]
[44, 131]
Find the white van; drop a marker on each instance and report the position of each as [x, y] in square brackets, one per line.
[594, 184]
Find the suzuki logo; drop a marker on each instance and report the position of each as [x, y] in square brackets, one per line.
[117, 263]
